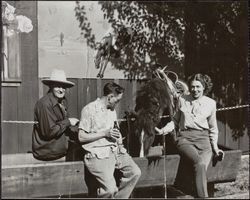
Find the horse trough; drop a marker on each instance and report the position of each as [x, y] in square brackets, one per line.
[25, 177]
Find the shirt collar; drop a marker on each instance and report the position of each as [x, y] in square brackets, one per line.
[53, 99]
[194, 101]
[99, 105]
[198, 101]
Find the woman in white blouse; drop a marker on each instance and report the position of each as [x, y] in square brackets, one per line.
[197, 128]
[197, 131]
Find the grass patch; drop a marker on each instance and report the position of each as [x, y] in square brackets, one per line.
[241, 185]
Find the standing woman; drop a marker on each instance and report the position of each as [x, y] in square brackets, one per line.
[197, 128]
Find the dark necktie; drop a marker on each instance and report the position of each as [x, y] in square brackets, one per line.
[63, 109]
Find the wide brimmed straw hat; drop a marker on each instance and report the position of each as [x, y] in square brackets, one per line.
[58, 76]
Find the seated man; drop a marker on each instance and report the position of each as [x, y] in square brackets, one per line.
[49, 137]
[102, 142]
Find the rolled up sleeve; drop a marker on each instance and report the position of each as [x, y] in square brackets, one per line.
[85, 120]
[213, 128]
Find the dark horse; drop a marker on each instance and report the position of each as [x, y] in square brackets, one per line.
[155, 106]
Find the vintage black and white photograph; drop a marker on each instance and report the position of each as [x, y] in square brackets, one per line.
[124, 99]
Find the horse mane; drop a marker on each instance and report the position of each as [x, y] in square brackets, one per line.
[154, 94]
[152, 100]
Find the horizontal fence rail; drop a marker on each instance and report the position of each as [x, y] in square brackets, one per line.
[120, 120]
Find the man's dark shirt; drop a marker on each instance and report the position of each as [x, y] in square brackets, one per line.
[49, 141]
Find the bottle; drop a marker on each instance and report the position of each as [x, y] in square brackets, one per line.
[220, 156]
[116, 126]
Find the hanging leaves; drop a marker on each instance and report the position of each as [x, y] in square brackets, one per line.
[148, 45]
[207, 37]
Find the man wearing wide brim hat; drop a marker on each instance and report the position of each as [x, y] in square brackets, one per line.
[54, 128]
[58, 77]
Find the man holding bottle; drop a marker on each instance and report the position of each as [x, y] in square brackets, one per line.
[102, 142]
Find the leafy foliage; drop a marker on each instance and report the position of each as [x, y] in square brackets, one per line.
[158, 37]
[189, 37]
[216, 44]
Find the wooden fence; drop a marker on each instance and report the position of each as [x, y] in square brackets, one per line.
[16, 138]
[87, 90]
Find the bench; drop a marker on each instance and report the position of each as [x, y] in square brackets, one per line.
[218, 172]
[47, 179]
[25, 177]
[224, 171]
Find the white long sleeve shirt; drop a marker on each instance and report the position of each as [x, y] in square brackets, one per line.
[199, 114]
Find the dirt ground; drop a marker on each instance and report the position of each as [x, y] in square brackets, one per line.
[238, 189]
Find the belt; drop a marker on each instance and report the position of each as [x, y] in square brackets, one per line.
[93, 155]
[193, 129]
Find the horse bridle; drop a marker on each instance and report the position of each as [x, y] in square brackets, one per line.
[163, 74]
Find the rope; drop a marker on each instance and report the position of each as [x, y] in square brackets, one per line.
[232, 107]
[20, 122]
[164, 164]
[124, 120]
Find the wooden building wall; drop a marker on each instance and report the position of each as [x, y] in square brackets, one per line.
[18, 102]
[85, 91]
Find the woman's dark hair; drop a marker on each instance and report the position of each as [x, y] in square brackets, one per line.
[112, 87]
[205, 81]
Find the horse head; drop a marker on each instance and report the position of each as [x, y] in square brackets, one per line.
[157, 97]
[152, 101]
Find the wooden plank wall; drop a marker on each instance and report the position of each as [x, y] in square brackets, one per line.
[18, 101]
[226, 132]
[87, 90]
[84, 91]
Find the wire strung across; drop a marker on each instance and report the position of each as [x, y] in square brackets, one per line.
[121, 120]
